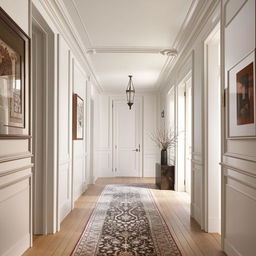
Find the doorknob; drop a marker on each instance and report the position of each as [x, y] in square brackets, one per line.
[137, 149]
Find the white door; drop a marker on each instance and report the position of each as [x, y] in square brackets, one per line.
[188, 136]
[127, 126]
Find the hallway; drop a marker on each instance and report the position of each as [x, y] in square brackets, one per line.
[92, 91]
[174, 206]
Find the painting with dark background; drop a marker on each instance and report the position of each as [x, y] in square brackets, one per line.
[245, 95]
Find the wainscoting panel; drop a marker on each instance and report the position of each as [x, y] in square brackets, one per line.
[15, 211]
[196, 193]
[64, 190]
[104, 163]
[239, 212]
[79, 179]
[150, 161]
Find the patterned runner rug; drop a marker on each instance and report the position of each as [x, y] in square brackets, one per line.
[126, 222]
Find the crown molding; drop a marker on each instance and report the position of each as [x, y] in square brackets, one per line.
[187, 38]
[194, 7]
[57, 12]
[127, 49]
[192, 25]
[89, 41]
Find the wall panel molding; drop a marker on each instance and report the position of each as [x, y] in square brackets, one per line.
[231, 9]
[13, 157]
[11, 171]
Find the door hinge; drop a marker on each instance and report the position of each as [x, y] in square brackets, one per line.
[185, 94]
[115, 170]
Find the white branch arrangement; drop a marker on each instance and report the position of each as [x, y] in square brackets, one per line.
[164, 138]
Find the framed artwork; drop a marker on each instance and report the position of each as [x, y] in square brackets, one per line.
[14, 79]
[241, 106]
[78, 117]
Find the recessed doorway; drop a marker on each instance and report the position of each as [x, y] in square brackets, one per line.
[212, 132]
[184, 131]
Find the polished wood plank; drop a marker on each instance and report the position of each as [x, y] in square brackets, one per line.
[174, 206]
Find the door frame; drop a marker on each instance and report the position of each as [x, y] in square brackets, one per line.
[205, 201]
[180, 185]
[188, 81]
[138, 99]
[49, 183]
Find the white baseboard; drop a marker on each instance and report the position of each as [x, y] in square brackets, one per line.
[94, 179]
[19, 247]
[230, 250]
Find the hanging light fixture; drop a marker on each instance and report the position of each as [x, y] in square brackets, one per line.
[130, 92]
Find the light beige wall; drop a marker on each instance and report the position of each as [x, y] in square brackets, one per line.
[15, 169]
[192, 60]
[239, 159]
[19, 11]
[103, 124]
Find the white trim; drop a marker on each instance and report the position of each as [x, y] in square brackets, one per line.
[57, 13]
[50, 141]
[202, 12]
[206, 223]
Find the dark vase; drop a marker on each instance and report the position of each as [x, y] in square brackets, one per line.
[164, 157]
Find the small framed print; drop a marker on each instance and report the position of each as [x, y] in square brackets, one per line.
[14, 79]
[241, 98]
[78, 117]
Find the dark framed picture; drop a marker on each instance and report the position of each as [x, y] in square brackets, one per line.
[78, 117]
[14, 78]
[241, 97]
[245, 95]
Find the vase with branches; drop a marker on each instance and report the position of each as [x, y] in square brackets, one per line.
[165, 139]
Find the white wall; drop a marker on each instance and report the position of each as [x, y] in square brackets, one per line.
[64, 129]
[191, 60]
[80, 179]
[19, 11]
[72, 75]
[103, 134]
[150, 116]
[15, 169]
[239, 158]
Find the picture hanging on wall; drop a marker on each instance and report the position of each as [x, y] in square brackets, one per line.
[78, 118]
[14, 79]
[241, 107]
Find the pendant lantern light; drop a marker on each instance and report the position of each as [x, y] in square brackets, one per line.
[130, 92]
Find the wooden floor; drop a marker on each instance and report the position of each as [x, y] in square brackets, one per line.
[174, 207]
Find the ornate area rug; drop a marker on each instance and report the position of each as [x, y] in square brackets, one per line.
[126, 222]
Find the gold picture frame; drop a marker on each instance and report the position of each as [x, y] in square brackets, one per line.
[78, 117]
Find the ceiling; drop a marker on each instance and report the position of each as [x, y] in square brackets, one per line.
[127, 37]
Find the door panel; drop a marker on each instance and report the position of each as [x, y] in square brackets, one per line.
[127, 139]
